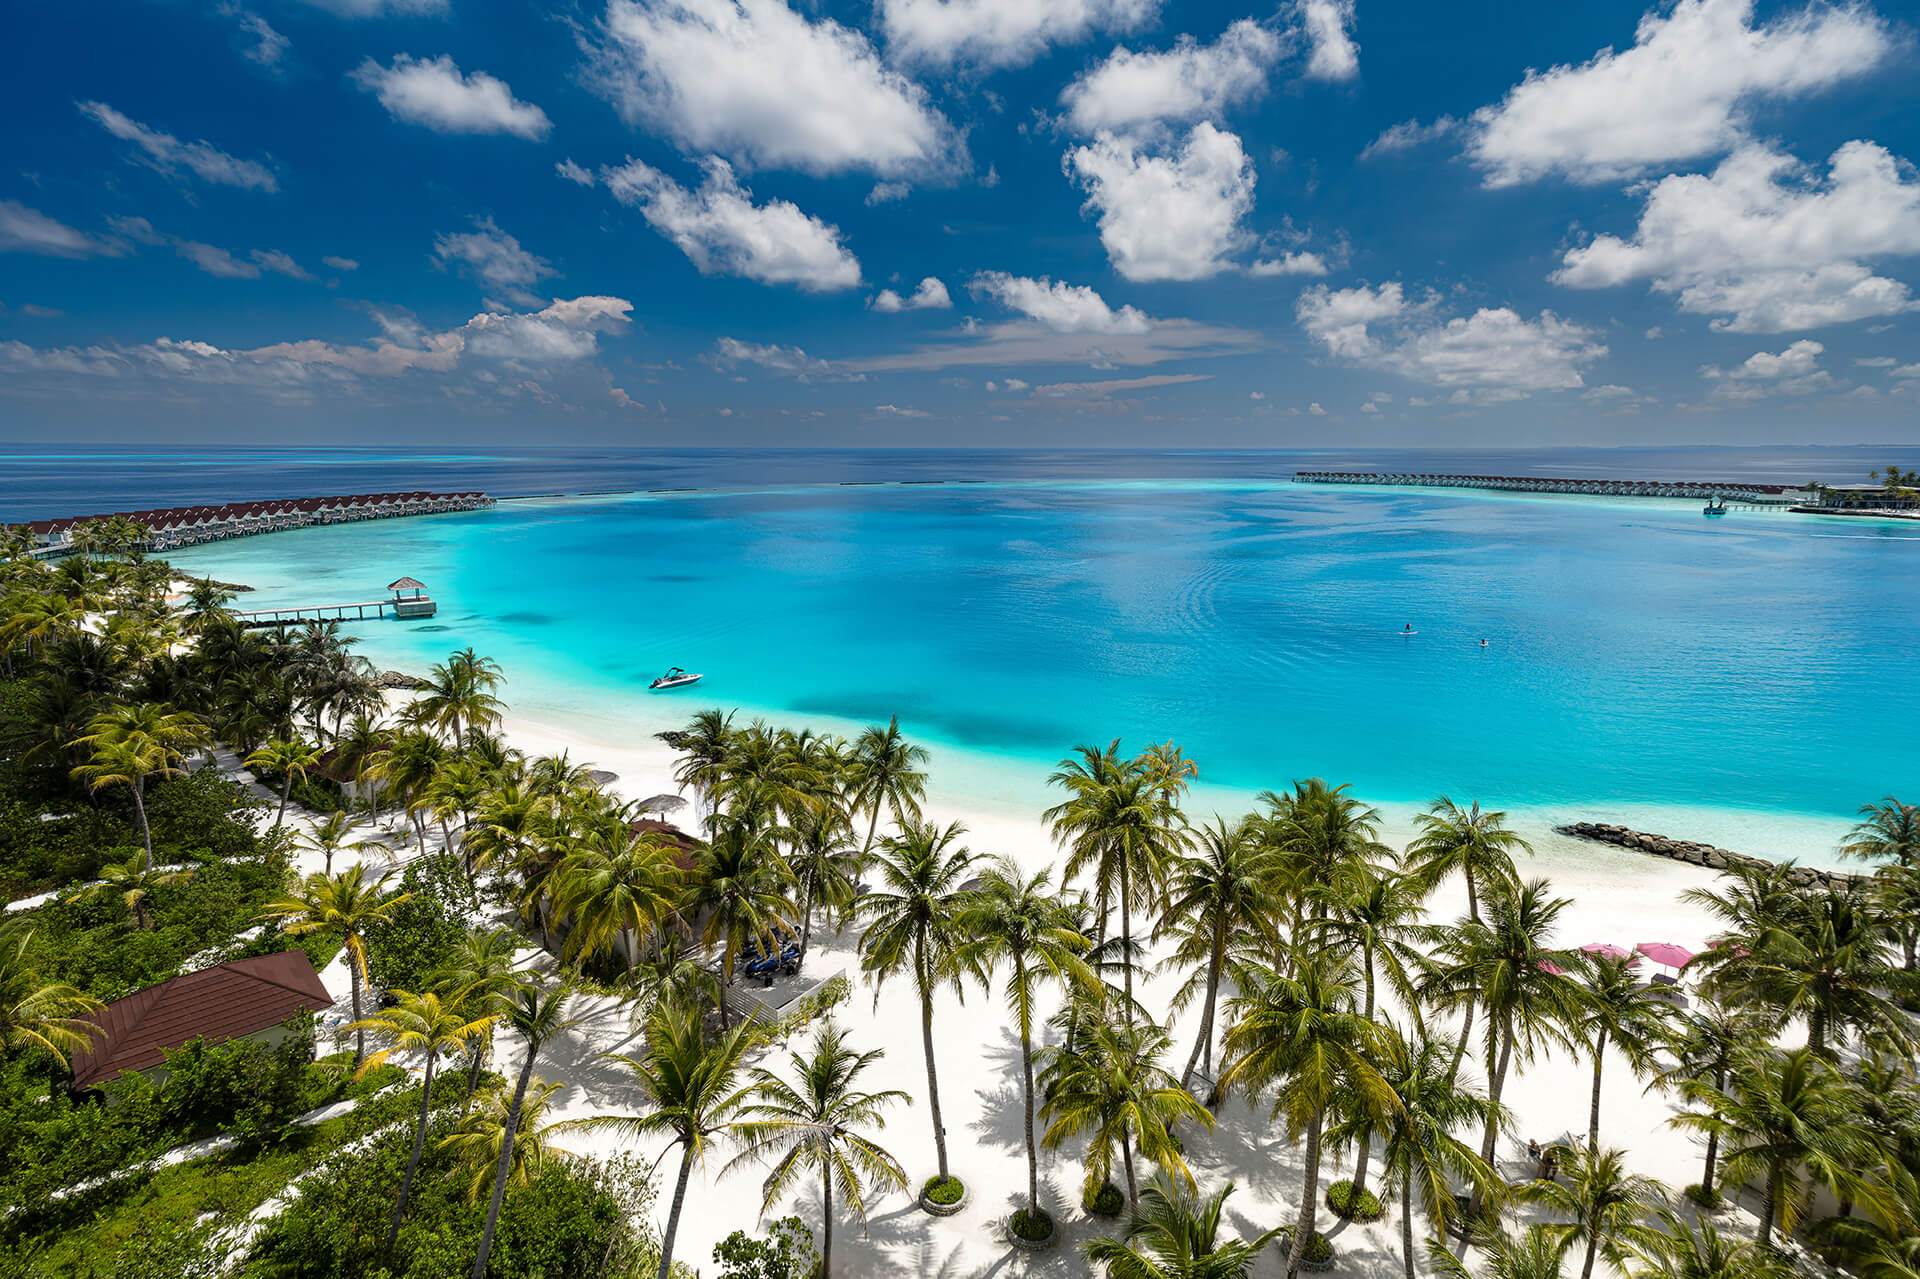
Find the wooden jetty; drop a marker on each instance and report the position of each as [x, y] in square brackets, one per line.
[1727, 490]
[410, 602]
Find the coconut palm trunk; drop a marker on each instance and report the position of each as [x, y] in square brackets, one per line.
[504, 1166]
[413, 1160]
[1494, 1088]
[140, 813]
[1303, 1228]
[1593, 1110]
[826, 1224]
[286, 793]
[1033, 1151]
[1406, 1224]
[360, 1034]
[933, 1082]
[673, 1214]
[1215, 963]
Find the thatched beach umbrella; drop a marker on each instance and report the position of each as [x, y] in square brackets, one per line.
[662, 804]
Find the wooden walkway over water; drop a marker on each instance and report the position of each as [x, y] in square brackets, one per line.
[310, 613]
[1733, 491]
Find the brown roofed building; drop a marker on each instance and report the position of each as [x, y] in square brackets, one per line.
[241, 999]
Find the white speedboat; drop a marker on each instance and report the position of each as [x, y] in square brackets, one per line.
[674, 678]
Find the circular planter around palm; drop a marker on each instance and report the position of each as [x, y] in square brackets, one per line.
[1024, 1244]
[1362, 1208]
[1318, 1257]
[938, 1198]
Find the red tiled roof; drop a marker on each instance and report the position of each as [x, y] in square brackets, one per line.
[228, 1001]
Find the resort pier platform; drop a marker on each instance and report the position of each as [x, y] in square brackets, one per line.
[410, 602]
[1726, 490]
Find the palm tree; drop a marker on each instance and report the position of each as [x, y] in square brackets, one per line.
[483, 1135]
[344, 905]
[290, 758]
[1019, 921]
[1219, 900]
[459, 695]
[1115, 828]
[329, 836]
[1531, 1254]
[693, 1093]
[1168, 771]
[885, 770]
[49, 1016]
[422, 1024]
[1508, 964]
[1174, 1236]
[705, 746]
[479, 973]
[538, 1016]
[407, 767]
[1683, 1248]
[1606, 1201]
[1831, 964]
[616, 895]
[912, 920]
[1887, 832]
[131, 744]
[1109, 1088]
[1420, 1152]
[1474, 844]
[1784, 1112]
[1471, 842]
[740, 886]
[1703, 1045]
[824, 864]
[1620, 1011]
[133, 882]
[813, 1125]
[1322, 839]
[1300, 1034]
[205, 606]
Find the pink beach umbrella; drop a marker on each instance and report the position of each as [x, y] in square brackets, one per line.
[1548, 965]
[1665, 953]
[1610, 950]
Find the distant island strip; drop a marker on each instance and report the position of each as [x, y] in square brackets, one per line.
[177, 526]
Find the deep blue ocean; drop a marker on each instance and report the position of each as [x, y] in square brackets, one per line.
[1640, 661]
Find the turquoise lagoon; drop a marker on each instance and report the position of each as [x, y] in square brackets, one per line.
[1748, 679]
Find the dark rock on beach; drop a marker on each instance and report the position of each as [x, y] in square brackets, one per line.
[401, 680]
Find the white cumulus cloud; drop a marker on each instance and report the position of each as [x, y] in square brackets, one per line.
[1191, 81]
[1170, 216]
[1062, 307]
[930, 296]
[1493, 354]
[1765, 245]
[494, 258]
[758, 82]
[1335, 56]
[722, 231]
[1000, 33]
[435, 94]
[1683, 91]
[169, 154]
[1297, 263]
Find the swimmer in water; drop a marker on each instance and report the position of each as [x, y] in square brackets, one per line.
[1483, 643]
[1408, 628]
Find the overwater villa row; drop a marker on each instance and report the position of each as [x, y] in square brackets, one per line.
[192, 525]
[1740, 491]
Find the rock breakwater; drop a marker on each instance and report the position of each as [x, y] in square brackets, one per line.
[1694, 854]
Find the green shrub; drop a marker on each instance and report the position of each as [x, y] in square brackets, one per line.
[421, 933]
[787, 1252]
[1707, 1199]
[1033, 1226]
[249, 1090]
[1340, 1198]
[944, 1190]
[1106, 1201]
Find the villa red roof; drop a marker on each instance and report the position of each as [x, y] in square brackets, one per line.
[228, 1001]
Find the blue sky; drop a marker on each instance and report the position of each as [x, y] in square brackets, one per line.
[980, 222]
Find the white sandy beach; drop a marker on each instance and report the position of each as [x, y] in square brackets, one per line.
[1619, 896]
